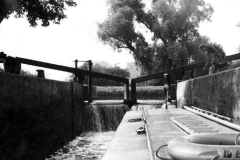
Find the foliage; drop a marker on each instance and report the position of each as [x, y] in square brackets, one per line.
[218, 47]
[117, 93]
[105, 68]
[179, 19]
[27, 73]
[193, 48]
[133, 70]
[169, 51]
[22, 72]
[35, 10]
[174, 24]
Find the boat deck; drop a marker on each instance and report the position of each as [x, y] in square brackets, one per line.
[161, 126]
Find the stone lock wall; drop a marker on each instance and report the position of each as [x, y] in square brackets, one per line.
[218, 93]
[37, 116]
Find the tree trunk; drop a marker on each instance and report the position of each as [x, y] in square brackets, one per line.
[129, 45]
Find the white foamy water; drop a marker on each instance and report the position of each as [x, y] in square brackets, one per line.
[88, 146]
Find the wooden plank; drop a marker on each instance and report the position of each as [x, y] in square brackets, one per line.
[126, 93]
[71, 70]
[133, 92]
[233, 57]
[155, 75]
[187, 67]
[90, 87]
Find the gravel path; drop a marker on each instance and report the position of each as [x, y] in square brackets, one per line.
[88, 146]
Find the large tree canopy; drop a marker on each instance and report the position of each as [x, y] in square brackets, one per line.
[35, 10]
[173, 24]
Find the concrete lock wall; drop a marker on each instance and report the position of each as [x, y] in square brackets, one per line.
[218, 93]
[37, 116]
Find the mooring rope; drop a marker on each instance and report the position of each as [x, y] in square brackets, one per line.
[165, 145]
[216, 157]
[237, 138]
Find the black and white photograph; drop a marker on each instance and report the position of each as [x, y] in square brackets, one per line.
[119, 79]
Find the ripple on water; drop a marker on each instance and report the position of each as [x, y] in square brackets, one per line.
[88, 146]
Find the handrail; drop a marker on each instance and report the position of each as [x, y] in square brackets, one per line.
[71, 70]
[213, 114]
[179, 69]
[224, 122]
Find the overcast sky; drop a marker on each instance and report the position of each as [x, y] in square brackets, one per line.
[76, 38]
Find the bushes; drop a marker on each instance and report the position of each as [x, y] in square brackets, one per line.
[117, 93]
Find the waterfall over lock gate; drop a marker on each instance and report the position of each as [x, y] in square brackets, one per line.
[103, 117]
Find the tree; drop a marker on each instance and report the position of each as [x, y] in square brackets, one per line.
[174, 24]
[35, 10]
[133, 70]
[22, 72]
[105, 68]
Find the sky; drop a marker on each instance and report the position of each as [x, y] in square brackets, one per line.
[76, 36]
[223, 28]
